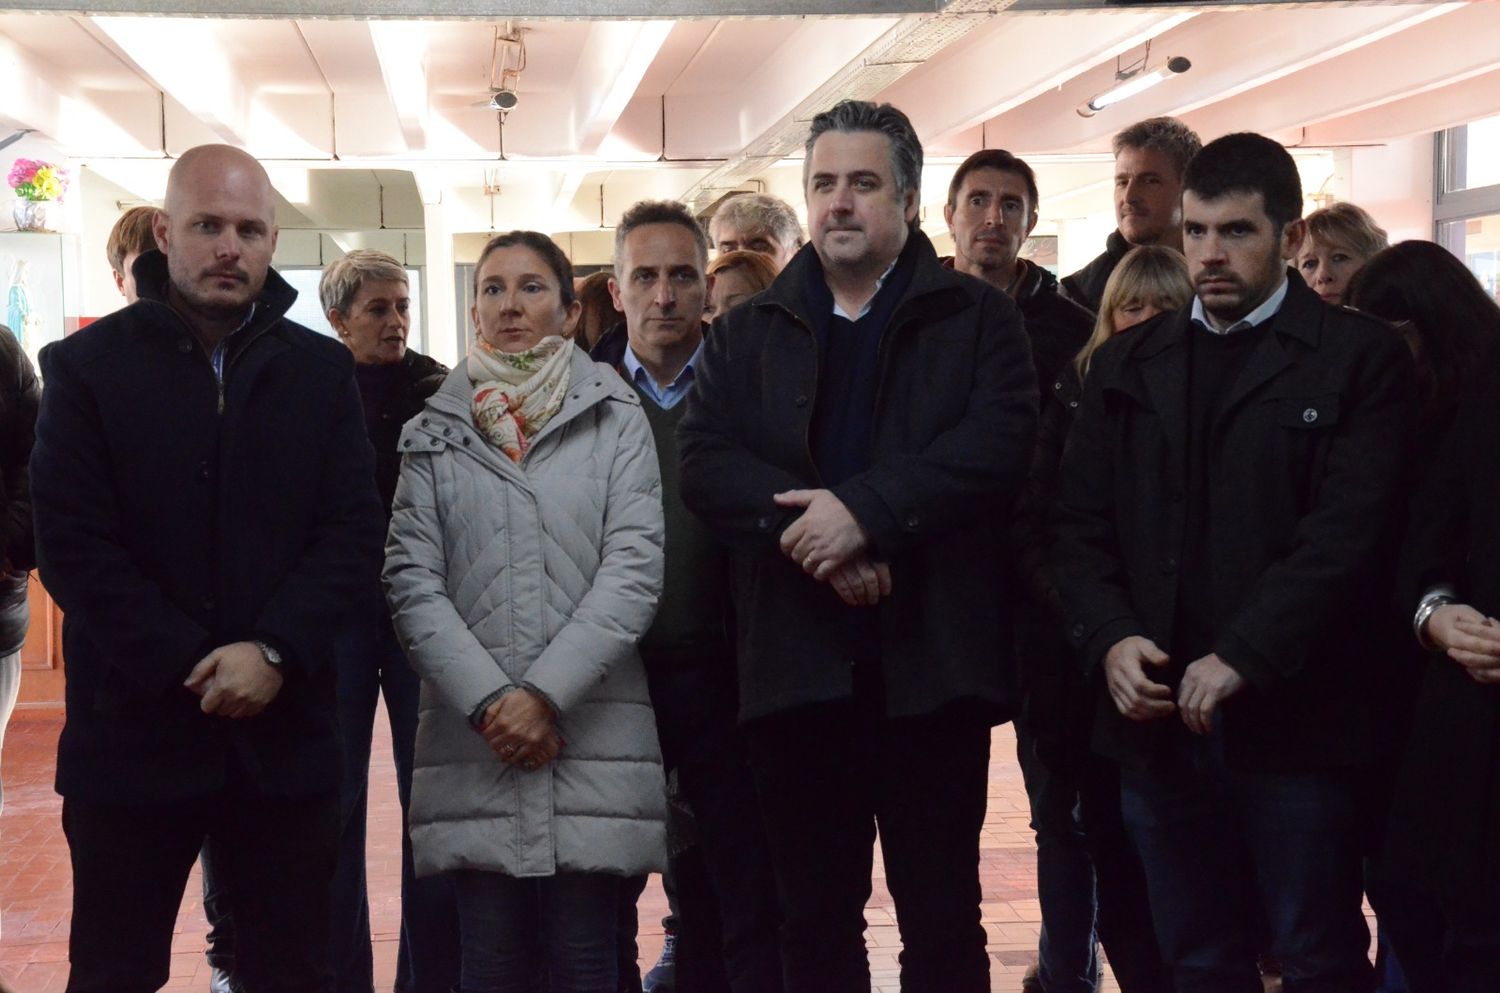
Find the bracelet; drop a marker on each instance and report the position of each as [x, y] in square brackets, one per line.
[1430, 604]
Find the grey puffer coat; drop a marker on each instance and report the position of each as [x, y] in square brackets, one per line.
[548, 572]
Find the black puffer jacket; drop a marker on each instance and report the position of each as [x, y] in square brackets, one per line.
[420, 378]
[1086, 286]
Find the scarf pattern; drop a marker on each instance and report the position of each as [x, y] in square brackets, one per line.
[517, 393]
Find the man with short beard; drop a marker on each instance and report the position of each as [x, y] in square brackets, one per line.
[206, 517]
[1227, 503]
[1150, 158]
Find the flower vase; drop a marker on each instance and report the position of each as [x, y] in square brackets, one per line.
[31, 215]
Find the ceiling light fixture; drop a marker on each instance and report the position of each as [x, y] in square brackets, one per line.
[1129, 85]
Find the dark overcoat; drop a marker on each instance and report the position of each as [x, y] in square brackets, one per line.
[953, 428]
[1444, 833]
[174, 517]
[1304, 487]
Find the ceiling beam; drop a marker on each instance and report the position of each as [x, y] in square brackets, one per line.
[402, 66]
[183, 59]
[1287, 42]
[611, 62]
[1457, 103]
[480, 10]
[911, 42]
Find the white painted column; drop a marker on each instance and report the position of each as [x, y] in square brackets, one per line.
[443, 341]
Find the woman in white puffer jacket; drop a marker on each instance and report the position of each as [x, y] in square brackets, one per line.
[523, 564]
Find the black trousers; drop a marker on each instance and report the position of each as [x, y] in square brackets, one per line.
[827, 776]
[727, 917]
[275, 858]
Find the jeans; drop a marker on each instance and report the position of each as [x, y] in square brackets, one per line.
[827, 776]
[513, 929]
[131, 864]
[370, 663]
[1065, 882]
[1198, 824]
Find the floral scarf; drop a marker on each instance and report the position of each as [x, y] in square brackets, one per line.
[517, 393]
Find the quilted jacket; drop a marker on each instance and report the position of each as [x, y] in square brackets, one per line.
[547, 572]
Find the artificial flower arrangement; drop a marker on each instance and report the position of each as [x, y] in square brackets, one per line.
[38, 180]
[36, 184]
[33, 180]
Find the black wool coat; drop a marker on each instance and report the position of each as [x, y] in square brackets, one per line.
[1305, 485]
[19, 396]
[173, 518]
[1086, 286]
[953, 429]
[1444, 831]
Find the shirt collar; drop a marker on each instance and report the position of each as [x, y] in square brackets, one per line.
[638, 372]
[1256, 317]
[838, 311]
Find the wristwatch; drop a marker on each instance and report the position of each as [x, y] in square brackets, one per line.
[272, 656]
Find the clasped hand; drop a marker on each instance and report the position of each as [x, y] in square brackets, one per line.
[829, 545]
[1470, 639]
[521, 729]
[1206, 683]
[235, 681]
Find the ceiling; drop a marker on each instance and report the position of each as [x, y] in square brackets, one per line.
[360, 119]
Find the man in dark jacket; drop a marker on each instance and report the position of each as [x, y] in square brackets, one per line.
[1150, 158]
[857, 433]
[206, 517]
[1226, 499]
[724, 910]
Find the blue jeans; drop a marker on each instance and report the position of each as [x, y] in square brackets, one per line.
[370, 663]
[1198, 824]
[515, 929]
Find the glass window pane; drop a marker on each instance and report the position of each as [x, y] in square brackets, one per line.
[1476, 240]
[1474, 155]
[308, 311]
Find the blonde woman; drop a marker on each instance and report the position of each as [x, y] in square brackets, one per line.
[735, 277]
[1340, 240]
[1078, 795]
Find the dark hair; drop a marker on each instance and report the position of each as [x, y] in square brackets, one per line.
[862, 115]
[659, 212]
[556, 260]
[1450, 312]
[995, 158]
[1246, 162]
[1165, 134]
[131, 235]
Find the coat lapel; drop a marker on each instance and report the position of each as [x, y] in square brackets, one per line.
[1164, 371]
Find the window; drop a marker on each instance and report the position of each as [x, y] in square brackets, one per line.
[1467, 213]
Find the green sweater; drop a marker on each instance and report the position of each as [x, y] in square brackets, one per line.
[693, 619]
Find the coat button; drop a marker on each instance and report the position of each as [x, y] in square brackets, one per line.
[405, 442]
[425, 422]
[203, 472]
[1169, 564]
[1309, 415]
[801, 401]
[1077, 631]
[912, 522]
[465, 439]
[184, 346]
[207, 603]
[764, 524]
[447, 432]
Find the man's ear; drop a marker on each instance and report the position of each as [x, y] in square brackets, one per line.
[1292, 237]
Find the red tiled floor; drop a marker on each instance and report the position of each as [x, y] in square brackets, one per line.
[35, 885]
